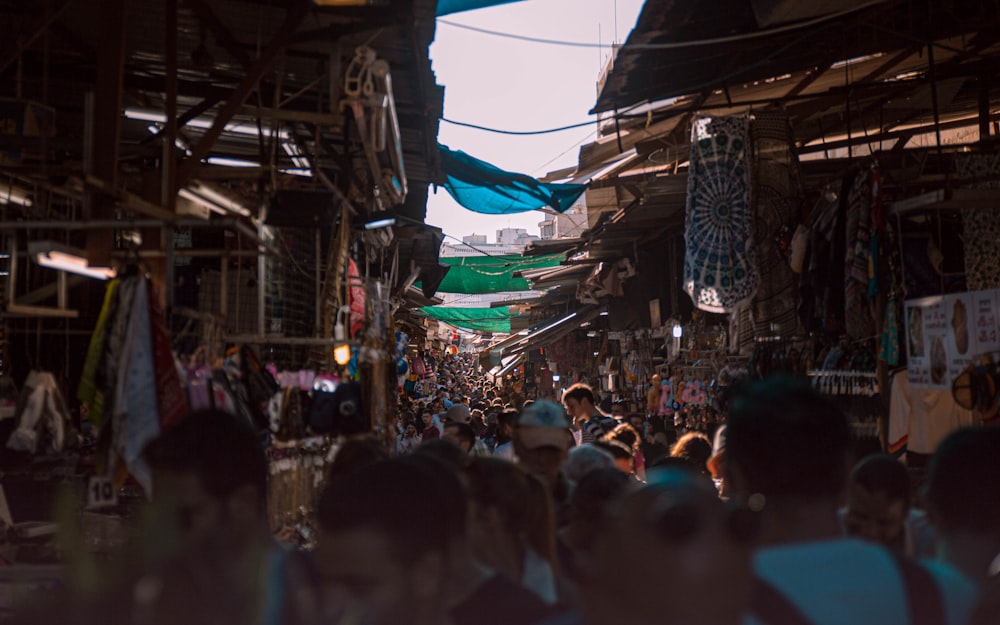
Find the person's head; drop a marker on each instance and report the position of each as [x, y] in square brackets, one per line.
[508, 508]
[427, 417]
[542, 439]
[786, 442]
[409, 429]
[385, 538]
[622, 443]
[878, 499]
[592, 499]
[586, 458]
[695, 448]
[445, 452]
[638, 422]
[458, 413]
[354, 453]
[618, 450]
[673, 554]
[962, 496]
[211, 472]
[579, 401]
[618, 410]
[460, 434]
[506, 420]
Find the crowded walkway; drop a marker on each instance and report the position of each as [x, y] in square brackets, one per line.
[494, 510]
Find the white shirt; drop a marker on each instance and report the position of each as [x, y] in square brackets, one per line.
[919, 419]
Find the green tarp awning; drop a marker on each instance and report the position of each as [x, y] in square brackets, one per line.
[484, 188]
[480, 319]
[491, 274]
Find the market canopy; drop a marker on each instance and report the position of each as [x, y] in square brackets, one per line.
[447, 7]
[485, 188]
[480, 319]
[491, 274]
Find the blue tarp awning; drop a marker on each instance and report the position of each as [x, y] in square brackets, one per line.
[447, 7]
[484, 188]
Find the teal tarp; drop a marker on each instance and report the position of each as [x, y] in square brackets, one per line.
[484, 188]
[481, 319]
[491, 274]
[447, 7]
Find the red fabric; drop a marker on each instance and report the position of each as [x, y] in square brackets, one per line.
[356, 298]
[170, 399]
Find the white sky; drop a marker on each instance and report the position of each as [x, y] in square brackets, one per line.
[517, 85]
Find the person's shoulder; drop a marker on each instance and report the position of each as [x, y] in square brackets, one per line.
[958, 592]
[501, 600]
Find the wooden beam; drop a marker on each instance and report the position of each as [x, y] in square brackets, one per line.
[292, 20]
[211, 21]
[104, 126]
[36, 30]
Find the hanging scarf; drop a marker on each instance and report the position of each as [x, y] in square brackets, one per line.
[87, 392]
[170, 399]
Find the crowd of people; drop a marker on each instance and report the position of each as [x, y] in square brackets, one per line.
[495, 510]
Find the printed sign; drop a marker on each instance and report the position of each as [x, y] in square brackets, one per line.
[945, 334]
[101, 493]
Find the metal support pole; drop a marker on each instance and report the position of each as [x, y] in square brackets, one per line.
[61, 290]
[318, 281]
[168, 186]
[262, 279]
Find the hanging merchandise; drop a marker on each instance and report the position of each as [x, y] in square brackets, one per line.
[859, 322]
[720, 269]
[356, 297]
[135, 419]
[777, 195]
[821, 287]
[170, 399]
[42, 418]
[88, 392]
[130, 383]
[981, 226]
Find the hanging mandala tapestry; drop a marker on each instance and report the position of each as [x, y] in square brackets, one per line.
[719, 266]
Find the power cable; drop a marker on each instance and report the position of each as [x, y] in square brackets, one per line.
[672, 45]
[518, 132]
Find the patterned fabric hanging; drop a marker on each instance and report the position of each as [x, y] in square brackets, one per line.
[777, 194]
[720, 269]
[981, 226]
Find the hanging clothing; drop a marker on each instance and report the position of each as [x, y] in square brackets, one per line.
[720, 265]
[858, 320]
[821, 291]
[919, 419]
[777, 194]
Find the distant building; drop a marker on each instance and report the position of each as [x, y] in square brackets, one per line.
[566, 225]
[515, 236]
[476, 245]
